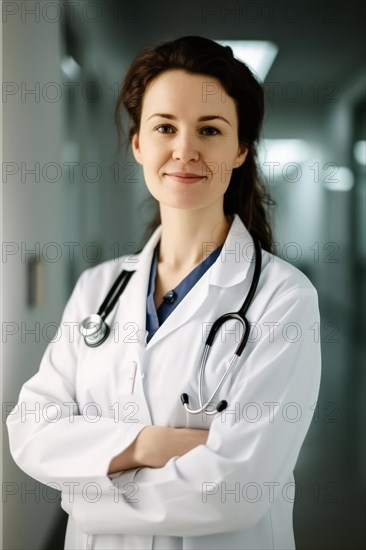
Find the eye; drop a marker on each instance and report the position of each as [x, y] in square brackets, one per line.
[212, 128]
[163, 126]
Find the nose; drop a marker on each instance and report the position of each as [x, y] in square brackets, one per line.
[185, 148]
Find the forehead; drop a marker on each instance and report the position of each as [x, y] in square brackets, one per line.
[178, 89]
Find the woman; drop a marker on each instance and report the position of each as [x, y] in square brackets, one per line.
[135, 467]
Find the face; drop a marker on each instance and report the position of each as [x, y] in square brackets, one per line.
[172, 138]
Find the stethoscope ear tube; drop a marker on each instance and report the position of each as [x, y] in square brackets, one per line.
[239, 316]
[185, 400]
[243, 342]
[115, 293]
[221, 406]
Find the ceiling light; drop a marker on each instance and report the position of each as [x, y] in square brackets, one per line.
[259, 55]
[341, 180]
[359, 152]
[283, 151]
[70, 67]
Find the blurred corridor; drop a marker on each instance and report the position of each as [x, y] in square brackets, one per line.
[71, 201]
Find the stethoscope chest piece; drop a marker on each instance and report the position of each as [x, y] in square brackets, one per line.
[94, 330]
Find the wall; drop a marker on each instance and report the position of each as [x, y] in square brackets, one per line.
[34, 212]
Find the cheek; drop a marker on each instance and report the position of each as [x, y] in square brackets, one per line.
[223, 174]
[152, 152]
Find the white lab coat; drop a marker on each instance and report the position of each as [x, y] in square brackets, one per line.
[235, 492]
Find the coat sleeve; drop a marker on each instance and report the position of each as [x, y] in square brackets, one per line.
[252, 447]
[49, 439]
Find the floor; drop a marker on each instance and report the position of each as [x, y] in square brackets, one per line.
[331, 512]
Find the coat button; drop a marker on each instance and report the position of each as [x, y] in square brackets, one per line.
[169, 297]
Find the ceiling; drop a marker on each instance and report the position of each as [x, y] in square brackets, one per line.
[321, 43]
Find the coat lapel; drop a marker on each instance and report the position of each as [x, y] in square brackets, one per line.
[230, 268]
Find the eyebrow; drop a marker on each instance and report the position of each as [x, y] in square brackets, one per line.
[201, 119]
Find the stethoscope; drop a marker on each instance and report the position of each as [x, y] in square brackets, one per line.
[95, 331]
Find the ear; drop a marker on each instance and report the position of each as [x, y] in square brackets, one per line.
[241, 156]
[135, 144]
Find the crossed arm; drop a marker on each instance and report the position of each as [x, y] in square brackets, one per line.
[177, 460]
[155, 445]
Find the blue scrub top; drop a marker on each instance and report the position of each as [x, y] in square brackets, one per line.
[154, 319]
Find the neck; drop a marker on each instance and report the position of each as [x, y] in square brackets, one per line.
[188, 237]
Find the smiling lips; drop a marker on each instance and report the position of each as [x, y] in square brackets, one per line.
[185, 177]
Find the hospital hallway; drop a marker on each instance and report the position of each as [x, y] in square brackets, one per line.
[71, 199]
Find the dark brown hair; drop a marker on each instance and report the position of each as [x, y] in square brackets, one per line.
[246, 194]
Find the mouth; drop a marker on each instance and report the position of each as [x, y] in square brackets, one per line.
[192, 178]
